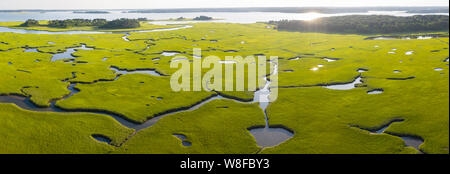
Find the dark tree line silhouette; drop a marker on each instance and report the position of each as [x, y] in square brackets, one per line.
[100, 23]
[76, 23]
[327, 10]
[363, 24]
[93, 12]
[203, 18]
[30, 23]
[122, 23]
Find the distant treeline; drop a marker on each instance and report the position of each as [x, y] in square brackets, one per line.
[30, 23]
[100, 23]
[328, 10]
[202, 18]
[275, 9]
[94, 12]
[122, 23]
[76, 23]
[364, 24]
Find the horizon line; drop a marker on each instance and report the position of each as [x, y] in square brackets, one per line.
[223, 8]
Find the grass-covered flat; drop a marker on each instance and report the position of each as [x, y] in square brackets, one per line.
[218, 127]
[328, 125]
[137, 96]
[56, 133]
[412, 74]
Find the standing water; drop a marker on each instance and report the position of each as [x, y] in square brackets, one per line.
[68, 53]
[268, 136]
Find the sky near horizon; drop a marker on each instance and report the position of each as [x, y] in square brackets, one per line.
[155, 4]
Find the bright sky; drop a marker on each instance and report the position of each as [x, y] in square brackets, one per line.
[153, 4]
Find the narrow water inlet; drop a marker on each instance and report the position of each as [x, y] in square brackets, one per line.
[183, 140]
[345, 86]
[72, 90]
[383, 128]
[149, 72]
[375, 91]
[125, 38]
[330, 59]
[154, 120]
[25, 103]
[179, 59]
[102, 138]
[268, 136]
[34, 50]
[410, 141]
[68, 53]
[360, 70]
[169, 53]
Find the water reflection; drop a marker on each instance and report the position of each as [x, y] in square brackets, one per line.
[268, 136]
[102, 138]
[346, 86]
[149, 72]
[68, 53]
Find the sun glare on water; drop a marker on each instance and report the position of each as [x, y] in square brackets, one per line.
[311, 16]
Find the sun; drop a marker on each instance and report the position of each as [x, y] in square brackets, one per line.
[311, 16]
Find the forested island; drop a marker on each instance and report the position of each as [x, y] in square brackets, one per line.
[30, 23]
[202, 18]
[327, 10]
[92, 12]
[122, 23]
[363, 24]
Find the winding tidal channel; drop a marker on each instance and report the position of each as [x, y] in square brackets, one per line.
[410, 141]
[265, 136]
[268, 136]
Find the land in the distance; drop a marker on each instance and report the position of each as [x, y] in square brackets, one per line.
[337, 93]
[270, 9]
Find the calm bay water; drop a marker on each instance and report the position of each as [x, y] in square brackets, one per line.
[233, 17]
